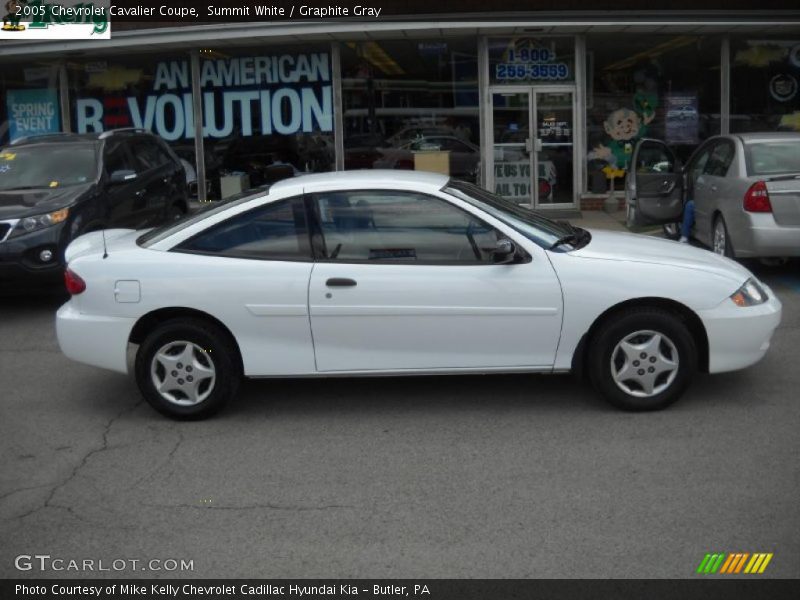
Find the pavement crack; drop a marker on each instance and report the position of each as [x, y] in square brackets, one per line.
[48, 503]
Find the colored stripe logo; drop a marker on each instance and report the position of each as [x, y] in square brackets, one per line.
[734, 563]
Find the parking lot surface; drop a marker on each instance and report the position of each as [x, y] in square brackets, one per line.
[468, 476]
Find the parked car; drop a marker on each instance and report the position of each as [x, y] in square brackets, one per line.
[54, 188]
[465, 157]
[746, 189]
[397, 272]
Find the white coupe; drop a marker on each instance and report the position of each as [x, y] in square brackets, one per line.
[390, 273]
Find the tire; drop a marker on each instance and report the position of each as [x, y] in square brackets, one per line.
[191, 391]
[637, 328]
[721, 245]
[672, 231]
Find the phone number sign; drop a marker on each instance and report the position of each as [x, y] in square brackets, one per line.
[531, 64]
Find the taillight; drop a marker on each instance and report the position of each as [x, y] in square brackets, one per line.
[75, 285]
[756, 199]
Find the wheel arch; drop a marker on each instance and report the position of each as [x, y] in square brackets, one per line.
[149, 321]
[693, 323]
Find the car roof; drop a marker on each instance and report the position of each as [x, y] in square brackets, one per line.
[67, 137]
[364, 178]
[769, 136]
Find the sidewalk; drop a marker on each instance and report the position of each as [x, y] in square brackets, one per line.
[600, 219]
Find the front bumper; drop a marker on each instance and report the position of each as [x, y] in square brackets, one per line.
[739, 337]
[19, 256]
[94, 340]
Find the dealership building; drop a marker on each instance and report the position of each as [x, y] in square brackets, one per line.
[542, 106]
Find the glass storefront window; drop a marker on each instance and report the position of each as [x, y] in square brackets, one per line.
[531, 60]
[412, 105]
[145, 91]
[267, 115]
[765, 85]
[665, 87]
[30, 104]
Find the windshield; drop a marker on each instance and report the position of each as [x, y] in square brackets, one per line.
[211, 208]
[47, 166]
[537, 228]
[773, 158]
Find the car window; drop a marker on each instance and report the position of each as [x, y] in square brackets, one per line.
[773, 158]
[654, 157]
[698, 164]
[395, 226]
[148, 154]
[47, 166]
[719, 159]
[117, 158]
[276, 231]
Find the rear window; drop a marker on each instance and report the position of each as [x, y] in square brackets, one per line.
[773, 158]
[212, 208]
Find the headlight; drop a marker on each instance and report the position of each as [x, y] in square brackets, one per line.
[36, 222]
[750, 294]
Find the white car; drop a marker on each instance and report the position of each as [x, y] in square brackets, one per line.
[395, 273]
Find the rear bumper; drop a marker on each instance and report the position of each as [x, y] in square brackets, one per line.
[94, 340]
[740, 337]
[763, 237]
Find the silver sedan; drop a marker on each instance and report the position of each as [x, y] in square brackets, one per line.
[745, 187]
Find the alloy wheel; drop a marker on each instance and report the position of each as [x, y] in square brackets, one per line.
[183, 373]
[720, 238]
[644, 363]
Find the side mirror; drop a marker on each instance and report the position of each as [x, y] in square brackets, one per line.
[122, 176]
[504, 251]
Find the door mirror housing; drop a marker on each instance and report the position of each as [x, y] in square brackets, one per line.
[504, 251]
[122, 176]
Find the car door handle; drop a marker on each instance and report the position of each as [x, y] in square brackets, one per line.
[139, 193]
[713, 188]
[667, 186]
[340, 282]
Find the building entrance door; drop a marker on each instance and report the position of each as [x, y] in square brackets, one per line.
[533, 133]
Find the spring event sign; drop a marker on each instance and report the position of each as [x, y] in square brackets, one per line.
[32, 112]
[249, 95]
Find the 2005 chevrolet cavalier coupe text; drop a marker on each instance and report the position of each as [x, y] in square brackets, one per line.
[385, 272]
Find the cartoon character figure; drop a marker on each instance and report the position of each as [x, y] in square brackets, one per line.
[624, 126]
[11, 22]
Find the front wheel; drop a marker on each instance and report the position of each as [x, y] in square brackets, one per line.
[187, 368]
[643, 359]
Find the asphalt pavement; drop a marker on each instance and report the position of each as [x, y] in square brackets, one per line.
[464, 476]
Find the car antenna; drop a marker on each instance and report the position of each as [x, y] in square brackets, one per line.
[105, 248]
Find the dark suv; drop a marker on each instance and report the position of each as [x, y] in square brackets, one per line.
[56, 187]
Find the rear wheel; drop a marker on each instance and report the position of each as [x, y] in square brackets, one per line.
[720, 240]
[187, 368]
[643, 359]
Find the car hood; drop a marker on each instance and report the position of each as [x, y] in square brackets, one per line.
[15, 204]
[630, 247]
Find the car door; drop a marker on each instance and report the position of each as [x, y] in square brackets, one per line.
[654, 189]
[696, 188]
[155, 178]
[407, 281]
[123, 189]
[252, 271]
[711, 193]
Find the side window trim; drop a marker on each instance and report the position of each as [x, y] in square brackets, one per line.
[319, 247]
[298, 202]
